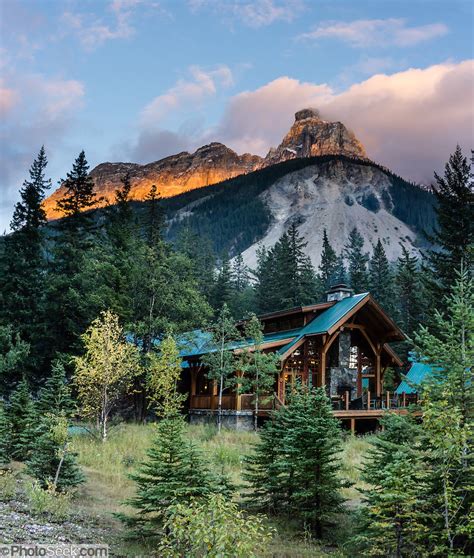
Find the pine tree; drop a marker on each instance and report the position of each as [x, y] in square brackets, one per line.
[23, 266]
[5, 436]
[154, 218]
[223, 286]
[240, 274]
[51, 461]
[266, 295]
[55, 395]
[258, 369]
[408, 283]
[23, 419]
[301, 475]
[69, 296]
[381, 280]
[392, 519]
[173, 473]
[221, 362]
[454, 236]
[13, 357]
[313, 446]
[357, 259]
[329, 263]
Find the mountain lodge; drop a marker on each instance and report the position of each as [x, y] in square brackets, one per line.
[342, 344]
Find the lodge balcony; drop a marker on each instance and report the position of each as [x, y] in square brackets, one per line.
[366, 406]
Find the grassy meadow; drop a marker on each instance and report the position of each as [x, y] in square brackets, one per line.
[107, 466]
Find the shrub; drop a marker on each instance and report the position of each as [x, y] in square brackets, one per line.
[7, 486]
[213, 528]
[48, 502]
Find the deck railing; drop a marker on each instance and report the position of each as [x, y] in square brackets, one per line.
[369, 401]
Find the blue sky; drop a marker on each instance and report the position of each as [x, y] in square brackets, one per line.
[138, 80]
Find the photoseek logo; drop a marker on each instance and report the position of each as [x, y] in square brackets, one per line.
[53, 550]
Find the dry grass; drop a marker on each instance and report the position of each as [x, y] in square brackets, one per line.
[107, 466]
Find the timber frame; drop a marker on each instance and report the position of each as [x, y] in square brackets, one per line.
[342, 345]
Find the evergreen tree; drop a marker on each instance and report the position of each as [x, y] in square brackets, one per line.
[221, 362]
[69, 295]
[5, 436]
[22, 271]
[381, 280]
[55, 395]
[23, 419]
[408, 284]
[313, 446]
[328, 267]
[13, 358]
[173, 473]
[258, 369]
[357, 260]
[392, 519]
[51, 461]
[266, 295]
[223, 286]
[340, 274]
[454, 235]
[450, 352]
[301, 476]
[240, 274]
[154, 218]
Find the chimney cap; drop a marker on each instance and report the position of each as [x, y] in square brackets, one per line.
[339, 291]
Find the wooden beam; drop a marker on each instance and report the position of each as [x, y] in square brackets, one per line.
[353, 426]
[193, 381]
[238, 395]
[378, 383]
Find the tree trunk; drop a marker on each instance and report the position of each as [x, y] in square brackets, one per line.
[219, 404]
[60, 464]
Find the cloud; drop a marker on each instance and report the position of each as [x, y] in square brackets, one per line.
[92, 32]
[252, 13]
[364, 33]
[38, 110]
[202, 84]
[409, 121]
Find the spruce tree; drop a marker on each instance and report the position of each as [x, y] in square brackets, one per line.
[154, 218]
[23, 419]
[51, 461]
[313, 447]
[266, 295]
[223, 286]
[329, 263]
[381, 280]
[454, 236]
[240, 274]
[173, 473]
[5, 436]
[22, 272]
[409, 296]
[13, 358]
[357, 262]
[55, 395]
[392, 519]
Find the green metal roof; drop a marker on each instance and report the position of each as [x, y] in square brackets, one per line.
[327, 319]
[415, 376]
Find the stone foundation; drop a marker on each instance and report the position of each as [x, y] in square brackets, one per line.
[234, 420]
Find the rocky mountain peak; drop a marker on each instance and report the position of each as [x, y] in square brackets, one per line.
[311, 136]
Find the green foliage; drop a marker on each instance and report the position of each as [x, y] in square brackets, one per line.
[381, 280]
[105, 373]
[23, 419]
[23, 264]
[221, 362]
[46, 502]
[450, 348]
[213, 527]
[393, 517]
[285, 275]
[301, 476]
[329, 264]
[51, 461]
[13, 354]
[55, 395]
[223, 286]
[454, 235]
[5, 436]
[258, 369]
[7, 485]
[357, 262]
[164, 372]
[409, 292]
[174, 473]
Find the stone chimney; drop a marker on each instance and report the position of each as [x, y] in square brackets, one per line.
[338, 292]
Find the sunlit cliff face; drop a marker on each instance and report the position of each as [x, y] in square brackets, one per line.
[213, 163]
